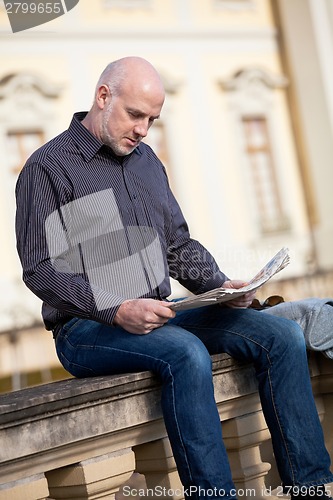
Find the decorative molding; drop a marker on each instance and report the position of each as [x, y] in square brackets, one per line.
[235, 5]
[25, 82]
[254, 76]
[171, 85]
[96, 31]
[126, 4]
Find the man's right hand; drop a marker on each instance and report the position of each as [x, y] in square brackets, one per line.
[141, 316]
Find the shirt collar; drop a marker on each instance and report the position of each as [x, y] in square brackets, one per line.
[87, 143]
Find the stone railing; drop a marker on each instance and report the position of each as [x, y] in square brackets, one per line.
[317, 284]
[83, 439]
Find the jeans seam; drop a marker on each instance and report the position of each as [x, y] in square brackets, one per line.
[176, 421]
[279, 424]
[319, 482]
[272, 398]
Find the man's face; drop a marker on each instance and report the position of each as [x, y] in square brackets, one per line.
[127, 117]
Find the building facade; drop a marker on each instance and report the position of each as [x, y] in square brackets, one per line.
[246, 129]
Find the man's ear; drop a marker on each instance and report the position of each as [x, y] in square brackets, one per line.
[102, 94]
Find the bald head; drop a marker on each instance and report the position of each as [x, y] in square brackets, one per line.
[130, 71]
[129, 98]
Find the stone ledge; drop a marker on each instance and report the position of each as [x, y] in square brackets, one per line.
[64, 422]
[56, 430]
[40, 400]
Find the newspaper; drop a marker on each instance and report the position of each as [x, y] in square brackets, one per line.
[276, 264]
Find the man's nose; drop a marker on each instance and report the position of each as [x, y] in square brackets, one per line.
[142, 128]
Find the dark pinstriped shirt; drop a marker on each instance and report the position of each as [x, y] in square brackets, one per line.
[75, 176]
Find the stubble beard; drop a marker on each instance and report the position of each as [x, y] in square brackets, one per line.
[108, 140]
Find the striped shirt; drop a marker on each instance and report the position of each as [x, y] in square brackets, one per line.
[94, 229]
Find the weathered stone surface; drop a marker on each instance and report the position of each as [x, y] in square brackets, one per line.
[76, 419]
[34, 487]
[70, 424]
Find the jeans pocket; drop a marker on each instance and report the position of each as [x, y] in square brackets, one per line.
[75, 369]
[66, 329]
[68, 338]
[71, 347]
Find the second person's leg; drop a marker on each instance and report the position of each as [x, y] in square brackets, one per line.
[276, 347]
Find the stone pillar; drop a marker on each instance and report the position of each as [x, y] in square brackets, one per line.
[305, 29]
[25, 489]
[100, 477]
[155, 460]
[242, 437]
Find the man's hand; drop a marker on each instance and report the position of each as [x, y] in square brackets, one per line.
[243, 301]
[143, 315]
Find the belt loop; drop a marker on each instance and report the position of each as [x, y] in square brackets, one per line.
[57, 329]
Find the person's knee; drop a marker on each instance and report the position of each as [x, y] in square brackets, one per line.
[194, 359]
[290, 336]
[197, 357]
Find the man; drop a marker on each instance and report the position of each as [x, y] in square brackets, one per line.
[99, 233]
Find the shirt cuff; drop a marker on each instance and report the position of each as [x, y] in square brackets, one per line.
[106, 305]
[215, 281]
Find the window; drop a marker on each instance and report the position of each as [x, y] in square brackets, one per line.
[156, 139]
[28, 117]
[263, 174]
[20, 145]
[252, 94]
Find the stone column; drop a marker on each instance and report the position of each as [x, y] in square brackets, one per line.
[306, 35]
[242, 437]
[95, 478]
[155, 460]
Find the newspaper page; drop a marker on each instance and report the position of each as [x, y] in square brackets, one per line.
[276, 264]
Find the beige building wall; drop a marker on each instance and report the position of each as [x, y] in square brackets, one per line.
[307, 50]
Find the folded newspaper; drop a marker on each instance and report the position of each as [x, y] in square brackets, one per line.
[276, 264]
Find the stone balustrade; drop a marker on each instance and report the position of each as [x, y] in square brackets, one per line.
[84, 438]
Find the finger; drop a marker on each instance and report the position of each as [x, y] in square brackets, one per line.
[164, 312]
[152, 327]
[239, 304]
[235, 284]
[157, 325]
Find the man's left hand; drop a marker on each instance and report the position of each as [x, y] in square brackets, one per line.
[243, 301]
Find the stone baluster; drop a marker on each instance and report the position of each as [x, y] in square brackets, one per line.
[155, 461]
[243, 436]
[30, 487]
[99, 477]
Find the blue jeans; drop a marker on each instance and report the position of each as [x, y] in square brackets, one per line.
[179, 352]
